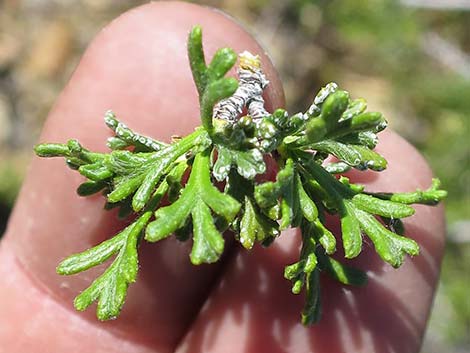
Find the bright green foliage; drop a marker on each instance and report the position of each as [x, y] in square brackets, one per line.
[431, 196]
[139, 172]
[249, 163]
[111, 287]
[197, 199]
[210, 82]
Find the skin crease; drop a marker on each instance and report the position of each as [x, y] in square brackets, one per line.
[138, 67]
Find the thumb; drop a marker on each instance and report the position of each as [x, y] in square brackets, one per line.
[138, 67]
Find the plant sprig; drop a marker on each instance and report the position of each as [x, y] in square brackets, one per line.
[140, 172]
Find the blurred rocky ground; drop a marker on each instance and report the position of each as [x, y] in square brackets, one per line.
[410, 59]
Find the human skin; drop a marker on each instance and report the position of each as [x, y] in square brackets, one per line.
[138, 67]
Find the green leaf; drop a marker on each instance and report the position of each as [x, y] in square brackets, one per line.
[324, 236]
[110, 288]
[354, 155]
[280, 118]
[196, 59]
[126, 137]
[368, 139]
[174, 180]
[390, 246]
[369, 159]
[351, 231]
[321, 96]
[223, 164]
[307, 205]
[221, 63]
[167, 157]
[208, 242]
[312, 309]
[431, 196]
[214, 92]
[222, 204]
[359, 123]
[267, 194]
[299, 271]
[254, 226]
[170, 218]
[355, 107]
[125, 187]
[197, 198]
[315, 130]
[366, 121]
[74, 153]
[380, 207]
[249, 163]
[51, 150]
[333, 108]
[94, 256]
[116, 143]
[91, 187]
[337, 168]
[356, 188]
[289, 205]
[95, 171]
[123, 163]
[139, 173]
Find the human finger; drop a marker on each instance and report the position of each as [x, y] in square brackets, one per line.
[138, 67]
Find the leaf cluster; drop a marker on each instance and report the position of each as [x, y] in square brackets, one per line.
[147, 177]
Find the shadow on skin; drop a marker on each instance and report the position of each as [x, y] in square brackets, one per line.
[257, 301]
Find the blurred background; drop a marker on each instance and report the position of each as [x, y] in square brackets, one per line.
[410, 59]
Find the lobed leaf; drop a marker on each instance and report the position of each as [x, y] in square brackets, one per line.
[110, 288]
[197, 199]
[208, 242]
[170, 218]
[390, 246]
[254, 226]
[166, 157]
[249, 163]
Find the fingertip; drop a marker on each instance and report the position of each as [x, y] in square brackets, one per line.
[138, 67]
